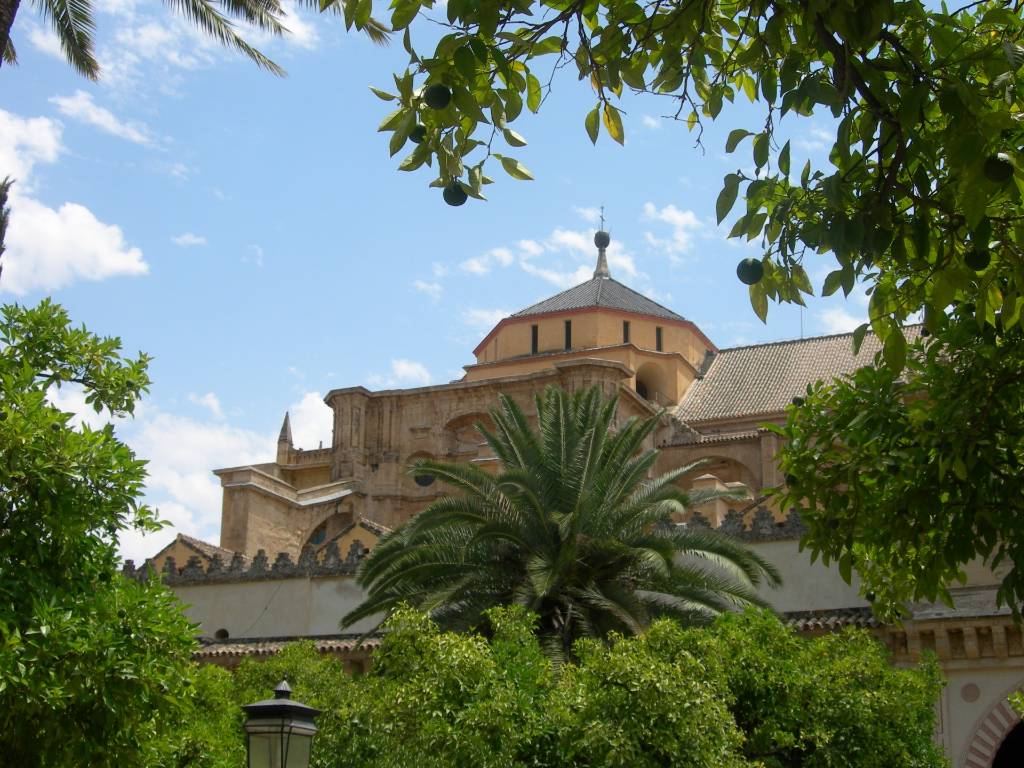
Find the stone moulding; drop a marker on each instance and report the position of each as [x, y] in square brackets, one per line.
[259, 569]
[763, 526]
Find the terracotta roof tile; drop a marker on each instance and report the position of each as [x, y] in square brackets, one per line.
[764, 378]
[831, 619]
[600, 292]
[268, 647]
[205, 548]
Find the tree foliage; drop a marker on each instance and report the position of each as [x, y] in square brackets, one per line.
[570, 528]
[922, 175]
[745, 691]
[90, 664]
[919, 201]
[907, 478]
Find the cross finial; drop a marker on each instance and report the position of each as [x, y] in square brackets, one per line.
[602, 217]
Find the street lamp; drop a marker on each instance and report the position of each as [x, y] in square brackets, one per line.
[279, 731]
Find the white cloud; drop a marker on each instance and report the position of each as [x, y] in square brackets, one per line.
[209, 401]
[301, 33]
[409, 371]
[558, 278]
[483, 319]
[25, 142]
[46, 248]
[590, 215]
[815, 138]
[182, 452]
[481, 265]
[651, 122]
[530, 248]
[253, 255]
[44, 40]
[181, 171]
[312, 421]
[433, 290]
[683, 223]
[125, 8]
[188, 239]
[439, 269]
[404, 373]
[838, 320]
[82, 107]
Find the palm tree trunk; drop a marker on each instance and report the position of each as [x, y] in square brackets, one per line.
[8, 10]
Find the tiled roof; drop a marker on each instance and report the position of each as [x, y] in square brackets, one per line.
[764, 378]
[268, 647]
[600, 292]
[831, 619]
[205, 548]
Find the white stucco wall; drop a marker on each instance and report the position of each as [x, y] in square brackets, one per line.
[806, 586]
[273, 608]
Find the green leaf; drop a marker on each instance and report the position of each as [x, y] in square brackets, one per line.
[515, 169]
[383, 95]
[833, 282]
[858, 337]
[784, 160]
[727, 197]
[393, 120]
[895, 351]
[465, 62]
[735, 137]
[513, 138]
[613, 123]
[761, 150]
[593, 124]
[533, 93]
[759, 301]
[405, 12]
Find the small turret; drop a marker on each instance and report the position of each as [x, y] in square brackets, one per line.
[284, 441]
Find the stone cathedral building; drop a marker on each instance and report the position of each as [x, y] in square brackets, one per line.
[294, 529]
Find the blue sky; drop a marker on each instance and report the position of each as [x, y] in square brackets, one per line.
[254, 236]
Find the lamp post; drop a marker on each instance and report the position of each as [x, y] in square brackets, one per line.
[279, 731]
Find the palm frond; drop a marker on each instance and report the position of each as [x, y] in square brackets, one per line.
[10, 54]
[73, 22]
[572, 527]
[204, 15]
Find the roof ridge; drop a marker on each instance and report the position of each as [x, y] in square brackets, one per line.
[555, 296]
[780, 342]
[657, 304]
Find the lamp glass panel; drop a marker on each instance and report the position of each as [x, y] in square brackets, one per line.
[299, 746]
[265, 750]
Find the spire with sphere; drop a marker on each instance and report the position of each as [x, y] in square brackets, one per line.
[602, 239]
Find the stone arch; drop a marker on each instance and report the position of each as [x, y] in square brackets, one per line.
[725, 468]
[461, 438]
[652, 384]
[990, 731]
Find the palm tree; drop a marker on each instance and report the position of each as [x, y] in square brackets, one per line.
[571, 528]
[72, 20]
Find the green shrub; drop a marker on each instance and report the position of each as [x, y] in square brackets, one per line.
[745, 692]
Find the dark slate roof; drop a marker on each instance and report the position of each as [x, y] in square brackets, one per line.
[600, 292]
[764, 378]
[831, 619]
